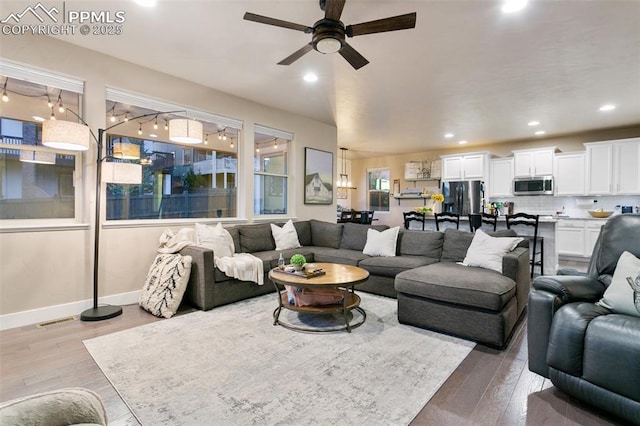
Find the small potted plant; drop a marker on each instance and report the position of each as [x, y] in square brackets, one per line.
[298, 261]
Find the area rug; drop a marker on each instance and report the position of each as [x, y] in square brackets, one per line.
[232, 366]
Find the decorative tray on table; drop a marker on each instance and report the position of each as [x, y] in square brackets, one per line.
[303, 273]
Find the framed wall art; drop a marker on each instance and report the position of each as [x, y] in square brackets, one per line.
[318, 173]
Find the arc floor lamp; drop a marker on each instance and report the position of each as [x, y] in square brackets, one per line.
[74, 136]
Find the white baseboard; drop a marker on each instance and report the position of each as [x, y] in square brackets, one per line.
[73, 309]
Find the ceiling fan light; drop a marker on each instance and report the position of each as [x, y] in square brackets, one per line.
[328, 45]
[185, 131]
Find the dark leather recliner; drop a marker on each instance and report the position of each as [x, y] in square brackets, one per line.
[587, 350]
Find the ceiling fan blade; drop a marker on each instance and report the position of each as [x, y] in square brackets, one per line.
[248, 16]
[296, 55]
[352, 56]
[333, 9]
[401, 22]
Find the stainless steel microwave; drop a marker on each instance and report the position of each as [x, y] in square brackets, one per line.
[539, 185]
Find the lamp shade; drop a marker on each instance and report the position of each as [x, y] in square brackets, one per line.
[186, 131]
[113, 172]
[67, 135]
[126, 150]
[38, 157]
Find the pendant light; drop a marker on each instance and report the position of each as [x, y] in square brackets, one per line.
[185, 131]
[343, 181]
[61, 134]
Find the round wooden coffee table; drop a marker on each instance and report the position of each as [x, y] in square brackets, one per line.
[341, 277]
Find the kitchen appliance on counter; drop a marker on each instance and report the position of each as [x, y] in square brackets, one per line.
[626, 209]
[540, 185]
[463, 197]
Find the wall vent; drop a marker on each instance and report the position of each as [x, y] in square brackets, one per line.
[57, 321]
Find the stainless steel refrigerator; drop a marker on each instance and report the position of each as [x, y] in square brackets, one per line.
[463, 197]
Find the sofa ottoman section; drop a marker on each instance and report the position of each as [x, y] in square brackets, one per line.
[461, 285]
[490, 328]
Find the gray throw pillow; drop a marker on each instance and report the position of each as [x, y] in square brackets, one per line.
[421, 243]
[303, 228]
[455, 245]
[326, 234]
[254, 238]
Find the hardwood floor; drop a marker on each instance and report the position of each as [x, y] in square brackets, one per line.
[490, 387]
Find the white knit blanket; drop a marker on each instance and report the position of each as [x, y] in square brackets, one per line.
[173, 243]
[242, 266]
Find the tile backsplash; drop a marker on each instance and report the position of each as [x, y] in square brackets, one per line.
[573, 206]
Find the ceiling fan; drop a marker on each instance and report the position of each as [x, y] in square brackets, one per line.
[328, 34]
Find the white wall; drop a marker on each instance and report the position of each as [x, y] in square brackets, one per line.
[44, 267]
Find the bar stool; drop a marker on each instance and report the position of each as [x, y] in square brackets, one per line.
[364, 217]
[345, 216]
[413, 216]
[476, 221]
[447, 217]
[538, 242]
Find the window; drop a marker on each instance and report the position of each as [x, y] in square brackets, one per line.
[36, 182]
[178, 180]
[271, 171]
[378, 189]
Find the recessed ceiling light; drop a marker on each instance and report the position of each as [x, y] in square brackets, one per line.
[462, 142]
[146, 3]
[38, 118]
[510, 6]
[607, 107]
[310, 77]
[448, 135]
[540, 132]
[533, 123]
[153, 135]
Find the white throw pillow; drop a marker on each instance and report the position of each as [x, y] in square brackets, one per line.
[285, 237]
[165, 285]
[215, 238]
[623, 294]
[381, 243]
[487, 252]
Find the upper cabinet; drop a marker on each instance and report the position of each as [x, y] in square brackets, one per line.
[613, 167]
[533, 162]
[570, 173]
[466, 166]
[501, 177]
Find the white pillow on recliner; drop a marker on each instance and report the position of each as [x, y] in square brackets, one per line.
[487, 252]
[622, 296]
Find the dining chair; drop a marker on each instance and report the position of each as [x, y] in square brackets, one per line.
[413, 216]
[447, 217]
[477, 219]
[535, 241]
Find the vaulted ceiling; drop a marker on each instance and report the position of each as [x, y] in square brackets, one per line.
[467, 68]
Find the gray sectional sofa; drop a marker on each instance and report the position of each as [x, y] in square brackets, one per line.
[433, 291]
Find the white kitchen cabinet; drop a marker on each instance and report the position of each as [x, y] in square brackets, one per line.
[577, 237]
[466, 166]
[591, 232]
[501, 177]
[534, 162]
[599, 168]
[570, 173]
[626, 167]
[452, 168]
[613, 167]
[570, 234]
